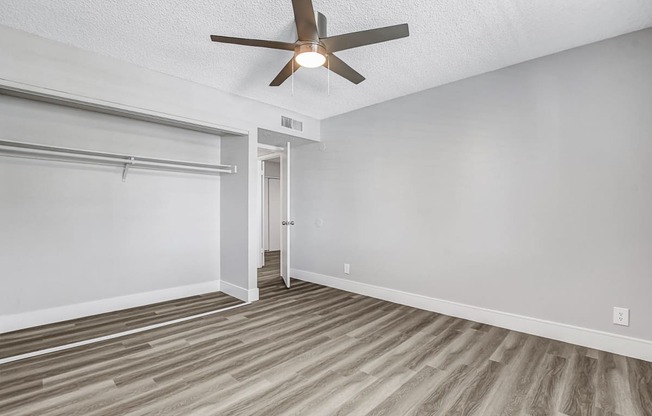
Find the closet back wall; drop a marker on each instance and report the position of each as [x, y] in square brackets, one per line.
[72, 234]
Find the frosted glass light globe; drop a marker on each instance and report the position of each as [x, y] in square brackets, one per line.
[310, 59]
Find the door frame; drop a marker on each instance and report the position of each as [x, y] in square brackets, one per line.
[276, 154]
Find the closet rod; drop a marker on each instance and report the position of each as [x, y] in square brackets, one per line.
[64, 154]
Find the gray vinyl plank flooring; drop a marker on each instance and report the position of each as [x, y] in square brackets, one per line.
[68, 332]
[312, 350]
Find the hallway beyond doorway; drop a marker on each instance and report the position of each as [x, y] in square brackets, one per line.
[272, 268]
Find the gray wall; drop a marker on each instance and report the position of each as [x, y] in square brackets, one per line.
[526, 190]
[234, 213]
[272, 169]
[74, 233]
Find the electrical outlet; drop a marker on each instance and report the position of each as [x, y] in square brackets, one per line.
[621, 316]
[347, 268]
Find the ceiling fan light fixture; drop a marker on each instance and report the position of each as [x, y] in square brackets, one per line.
[310, 55]
[315, 48]
[311, 59]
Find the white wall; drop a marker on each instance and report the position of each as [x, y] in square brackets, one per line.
[272, 221]
[273, 214]
[74, 234]
[527, 190]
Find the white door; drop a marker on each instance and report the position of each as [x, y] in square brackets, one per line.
[287, 222]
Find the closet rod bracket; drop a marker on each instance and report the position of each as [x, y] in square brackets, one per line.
[125, 171]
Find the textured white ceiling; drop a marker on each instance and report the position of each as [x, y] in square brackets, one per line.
[449, 40]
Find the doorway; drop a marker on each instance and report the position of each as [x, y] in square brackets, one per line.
[273, 145]
[271, 219]
[274, 209]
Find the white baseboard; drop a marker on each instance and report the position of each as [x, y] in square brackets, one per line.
[247, 295]
[618, 344]
[63, 313]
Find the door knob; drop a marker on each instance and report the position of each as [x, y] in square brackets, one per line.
[291, 223]
[287, 223]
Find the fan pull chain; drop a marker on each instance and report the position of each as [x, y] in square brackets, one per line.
[292, 76]
[328, 76]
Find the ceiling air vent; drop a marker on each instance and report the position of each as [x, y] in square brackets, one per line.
[291, 123]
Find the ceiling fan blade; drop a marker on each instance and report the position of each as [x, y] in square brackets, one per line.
[340, 67]
[254, 42]
[285, 73]
[366, 37]
[304, 17]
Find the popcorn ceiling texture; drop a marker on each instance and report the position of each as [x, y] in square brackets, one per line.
[450, 40]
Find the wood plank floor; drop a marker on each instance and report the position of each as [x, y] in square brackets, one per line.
[68, 332]
[313, 350]
[272, 266]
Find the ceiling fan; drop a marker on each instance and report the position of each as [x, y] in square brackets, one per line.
[314, 48]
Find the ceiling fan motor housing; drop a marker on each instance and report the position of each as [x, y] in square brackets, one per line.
[321, 21]
[317, 47]
[311, 47]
